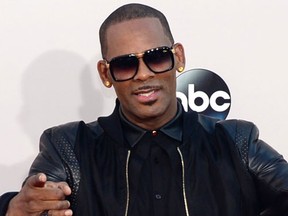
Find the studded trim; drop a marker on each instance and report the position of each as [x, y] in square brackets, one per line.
[241, 142]
[72, 168]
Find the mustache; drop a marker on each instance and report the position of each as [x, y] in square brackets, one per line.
[148, 87]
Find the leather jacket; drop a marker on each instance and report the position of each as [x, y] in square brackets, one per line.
[258, 186]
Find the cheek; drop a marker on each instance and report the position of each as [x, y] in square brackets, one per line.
[170, 83]
[122, 91]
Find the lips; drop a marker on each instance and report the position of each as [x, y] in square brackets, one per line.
[147, 94]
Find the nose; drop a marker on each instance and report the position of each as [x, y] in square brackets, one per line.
[143, 73]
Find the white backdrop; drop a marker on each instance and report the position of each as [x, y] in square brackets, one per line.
[49, 50]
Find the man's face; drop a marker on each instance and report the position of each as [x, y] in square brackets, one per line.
[148, 100]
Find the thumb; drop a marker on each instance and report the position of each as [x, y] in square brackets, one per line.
[38, 180]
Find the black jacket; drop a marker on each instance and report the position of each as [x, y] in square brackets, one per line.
[227, 170]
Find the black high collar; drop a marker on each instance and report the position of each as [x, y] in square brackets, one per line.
[133, 133]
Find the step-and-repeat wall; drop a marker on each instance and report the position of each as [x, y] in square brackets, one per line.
[49, 50]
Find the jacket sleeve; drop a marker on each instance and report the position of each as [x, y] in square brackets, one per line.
[270, 173]
[48, 160]
[56, 157]
[4, 202]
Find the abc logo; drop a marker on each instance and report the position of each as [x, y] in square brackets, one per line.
[205, 92]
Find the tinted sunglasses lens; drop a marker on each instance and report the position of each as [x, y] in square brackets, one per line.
[124, 67]
[159, 60]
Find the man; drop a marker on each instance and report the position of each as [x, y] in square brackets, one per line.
[150, 157]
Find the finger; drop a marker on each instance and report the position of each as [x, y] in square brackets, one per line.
[66, 212]
[65, 188]
[51, 193]
[38, 180]
[58, 205]
[38, 206]
[57, 190]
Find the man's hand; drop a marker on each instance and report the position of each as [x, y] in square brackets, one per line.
[38, 195]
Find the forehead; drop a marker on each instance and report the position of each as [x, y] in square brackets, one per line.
[135, 36]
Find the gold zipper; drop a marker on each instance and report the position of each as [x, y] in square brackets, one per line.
[183, 182]
[127, 183]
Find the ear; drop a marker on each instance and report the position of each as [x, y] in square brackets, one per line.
[179, 56]
[103, 73]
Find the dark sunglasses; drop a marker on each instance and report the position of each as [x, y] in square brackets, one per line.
[125, 67]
